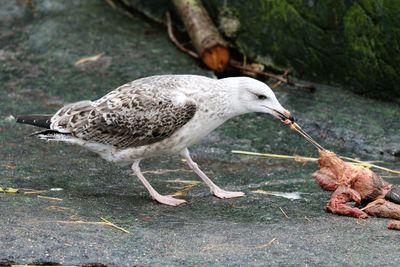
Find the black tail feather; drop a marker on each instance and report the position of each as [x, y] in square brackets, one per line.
[42, 121]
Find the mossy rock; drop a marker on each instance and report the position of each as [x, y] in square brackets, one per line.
[353, 43]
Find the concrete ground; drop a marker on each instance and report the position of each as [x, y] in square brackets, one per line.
[38, 50]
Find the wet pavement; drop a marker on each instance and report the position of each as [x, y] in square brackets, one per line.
[38, 50]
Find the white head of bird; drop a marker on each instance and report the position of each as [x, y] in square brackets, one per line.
[255, 96]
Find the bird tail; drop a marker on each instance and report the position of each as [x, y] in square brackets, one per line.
[42, 121]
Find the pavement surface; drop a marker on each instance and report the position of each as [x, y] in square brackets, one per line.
[39, 46]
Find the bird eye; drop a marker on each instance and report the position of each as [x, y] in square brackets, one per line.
[262, 97]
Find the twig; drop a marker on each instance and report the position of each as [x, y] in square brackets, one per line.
[36, 192]
[89, 59]
[267, 244]
[208, 43]
[296, 158]
[305, 217]
[115, 226]
[175, 41]
[51, 198]
[182, 192]
[284, 213]
[280, 78]
[294, 126]
[309, 159]
[278, 83]
[368, 164]
[104, 222]
[163, 171]
[189, 182]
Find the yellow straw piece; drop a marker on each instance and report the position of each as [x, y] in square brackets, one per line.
[367, 164]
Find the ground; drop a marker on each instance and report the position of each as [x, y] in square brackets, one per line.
[39, 47]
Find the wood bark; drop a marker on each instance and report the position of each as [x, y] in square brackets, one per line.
[206, 39]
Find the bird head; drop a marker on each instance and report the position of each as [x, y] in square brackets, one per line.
[255, 96]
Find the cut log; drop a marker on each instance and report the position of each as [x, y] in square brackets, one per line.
[206, 39]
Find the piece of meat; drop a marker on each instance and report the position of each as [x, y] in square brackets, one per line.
[383, 208]
[338, 203]
[351, 183]
[394, 225]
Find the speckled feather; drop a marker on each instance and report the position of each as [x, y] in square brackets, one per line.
[135, 114]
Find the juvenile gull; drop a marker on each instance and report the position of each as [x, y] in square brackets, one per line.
[158, 115]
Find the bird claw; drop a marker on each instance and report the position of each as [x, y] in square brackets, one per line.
[168, 200]
[220, 193]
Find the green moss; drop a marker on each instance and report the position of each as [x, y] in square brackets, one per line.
[350, 42]
[360, 33]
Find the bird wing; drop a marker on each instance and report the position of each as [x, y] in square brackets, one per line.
[129, 116]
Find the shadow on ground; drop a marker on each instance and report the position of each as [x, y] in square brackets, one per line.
[39, 47]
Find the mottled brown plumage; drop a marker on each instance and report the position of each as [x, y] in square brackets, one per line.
[128, 117]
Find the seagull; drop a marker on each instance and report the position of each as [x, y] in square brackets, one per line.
[156, 115]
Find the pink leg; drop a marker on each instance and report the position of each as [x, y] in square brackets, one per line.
[167, 200]
[218, 192]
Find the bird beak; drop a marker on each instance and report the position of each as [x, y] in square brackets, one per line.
[285, 117]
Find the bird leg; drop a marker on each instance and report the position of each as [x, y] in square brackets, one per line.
[215, 190]
[167, 200]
